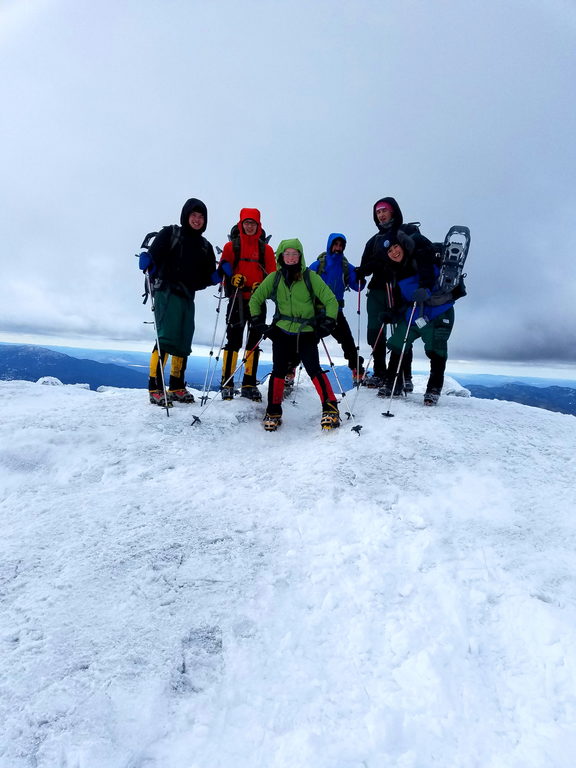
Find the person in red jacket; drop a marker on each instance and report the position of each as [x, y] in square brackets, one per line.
[251, 259]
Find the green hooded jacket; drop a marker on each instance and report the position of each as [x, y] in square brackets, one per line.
[294, 303]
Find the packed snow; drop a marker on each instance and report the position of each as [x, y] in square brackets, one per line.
[215, 596]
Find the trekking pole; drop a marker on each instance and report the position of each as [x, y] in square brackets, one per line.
[358, 338]
[400, 361]
[196, 419]
[204, 398]
[293, 401]
[333, 368]
[350, 413]
[160, 360]
[204, 395]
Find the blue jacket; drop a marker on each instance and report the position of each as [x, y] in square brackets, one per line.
[430, 309]
[333, 272]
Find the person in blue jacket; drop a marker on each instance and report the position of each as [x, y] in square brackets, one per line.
[416, 272]
[339, 275]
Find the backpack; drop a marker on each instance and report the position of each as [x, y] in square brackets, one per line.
[175, 242]
[345, 268]
[176, 233]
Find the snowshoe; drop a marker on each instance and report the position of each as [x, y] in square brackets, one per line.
[251, 392]
[227, 393]
[431, 397]
[272, 422]
[157, 398]
[453, 256]
[330, 417]
[180, 396]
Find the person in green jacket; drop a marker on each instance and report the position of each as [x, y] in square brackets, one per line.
[295, 330]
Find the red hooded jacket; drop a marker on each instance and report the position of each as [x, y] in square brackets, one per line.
[249, 262]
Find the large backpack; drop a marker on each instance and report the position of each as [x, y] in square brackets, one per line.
[175, 242]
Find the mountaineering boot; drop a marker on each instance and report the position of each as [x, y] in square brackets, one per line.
[408, 386]
[358, 373]
[252, 393]
[228, 367]
[432, 396]
[227, 393]
[357, 376]
[180, 396]
[373, 382]
[330, 416]
[157, 398]
[386, 389]
[289, 381]
[272, 421]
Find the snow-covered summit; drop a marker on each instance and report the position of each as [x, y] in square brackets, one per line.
[217, 596]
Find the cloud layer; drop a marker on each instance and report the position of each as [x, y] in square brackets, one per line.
[113, 114]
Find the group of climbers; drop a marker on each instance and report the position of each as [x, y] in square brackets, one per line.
[402, 266]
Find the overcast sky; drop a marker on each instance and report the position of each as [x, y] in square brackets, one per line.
[114, 112]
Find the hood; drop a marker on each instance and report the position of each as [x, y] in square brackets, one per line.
[331, 238]
[292, 243]
[398, 218]
[190, 206]
[250, 213]
[406, 243]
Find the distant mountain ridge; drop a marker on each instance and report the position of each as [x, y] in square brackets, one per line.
[555, 398]
[30, 363]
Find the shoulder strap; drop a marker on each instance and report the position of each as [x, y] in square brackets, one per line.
[275, 285]
[261, 251]
[236, 249]
[176, 240]
[346, 271]
[308, 281]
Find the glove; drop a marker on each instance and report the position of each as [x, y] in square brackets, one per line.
[224, 269]
[360, 274]
[238, 281]
[421, 295]
[254, 286]
[145, 262]
[259, 327]
[326, 327]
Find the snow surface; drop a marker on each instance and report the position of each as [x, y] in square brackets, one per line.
[221, 597]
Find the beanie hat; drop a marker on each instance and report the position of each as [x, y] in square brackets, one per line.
[404, 241]
[383, 205]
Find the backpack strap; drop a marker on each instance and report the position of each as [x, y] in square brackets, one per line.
[238, 257]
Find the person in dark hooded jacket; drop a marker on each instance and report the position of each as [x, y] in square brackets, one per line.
[380, 304]
[428, 309]
[180, 261]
